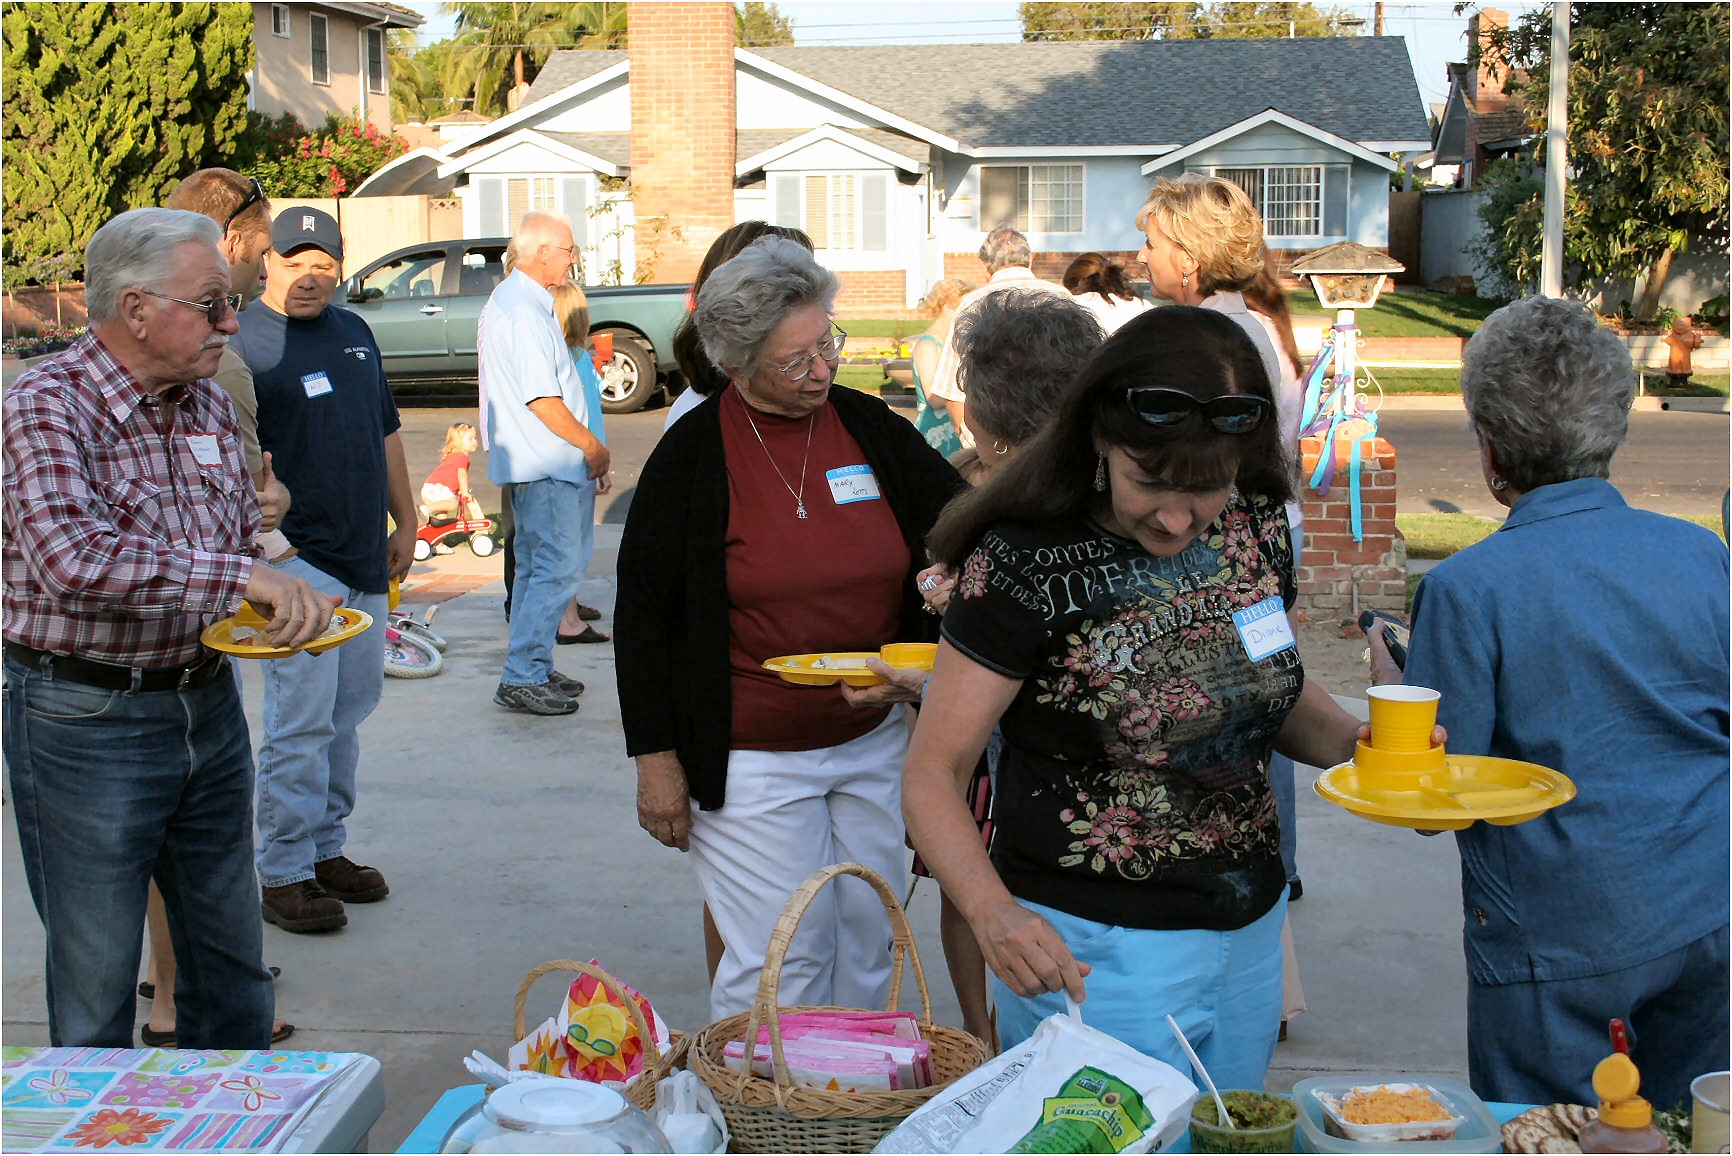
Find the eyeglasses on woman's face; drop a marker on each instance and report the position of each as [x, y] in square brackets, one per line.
[216, 310]
[830, 349]
[1233, 413]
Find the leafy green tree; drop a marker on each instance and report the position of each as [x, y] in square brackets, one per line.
[107, 106]
[758, 25]
[499, 47]
[1179, 20]
[1649, 89]
[418, 78]
[291, 161]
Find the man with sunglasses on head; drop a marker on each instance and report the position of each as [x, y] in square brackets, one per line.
[130, 524]
[539, 443]
[327, 418]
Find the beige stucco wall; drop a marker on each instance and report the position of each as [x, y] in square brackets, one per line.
[283, 69]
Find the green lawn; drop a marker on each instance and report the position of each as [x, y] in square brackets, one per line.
[1701, 385]
[1416, 380]
[866, 378]
[1440, 535]
[1409, 313]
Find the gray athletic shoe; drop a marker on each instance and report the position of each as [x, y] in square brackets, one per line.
[544, 699]
[566, 685]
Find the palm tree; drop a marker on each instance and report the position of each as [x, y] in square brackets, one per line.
[499, 47]
[418, 78]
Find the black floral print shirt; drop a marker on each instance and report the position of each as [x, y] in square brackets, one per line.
[1133, 788]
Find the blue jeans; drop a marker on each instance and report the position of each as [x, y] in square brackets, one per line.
[314, 707]
[555, 537]
[110, 788]
[1224, 988]
[1537, 1043]
[1281, 775]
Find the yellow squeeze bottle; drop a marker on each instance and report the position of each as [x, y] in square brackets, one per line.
[1626, 1122]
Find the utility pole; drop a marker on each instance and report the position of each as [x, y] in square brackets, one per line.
[1377, 18]
[1557, 155]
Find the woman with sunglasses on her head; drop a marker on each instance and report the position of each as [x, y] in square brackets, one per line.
[1120, 614]
[784, 515]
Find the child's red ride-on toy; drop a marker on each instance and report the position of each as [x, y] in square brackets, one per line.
[439, 527]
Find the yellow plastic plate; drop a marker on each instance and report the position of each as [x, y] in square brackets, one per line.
[803, 669]
[1468, 789]
[221, 635]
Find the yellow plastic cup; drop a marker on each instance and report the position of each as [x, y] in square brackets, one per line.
[1402, 717]
[909, 655]
[1711, 1096]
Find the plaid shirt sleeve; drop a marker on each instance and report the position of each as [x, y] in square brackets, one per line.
[135, 548]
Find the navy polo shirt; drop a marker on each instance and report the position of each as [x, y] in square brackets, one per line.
[325, 410]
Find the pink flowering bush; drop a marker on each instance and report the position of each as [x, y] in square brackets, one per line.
[292, 161]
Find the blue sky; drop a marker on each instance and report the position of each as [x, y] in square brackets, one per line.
[1434, 34]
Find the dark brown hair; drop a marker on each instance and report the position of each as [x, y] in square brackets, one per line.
[1266, 296]
[1097, 273]
[1198, 351]
[695, 364]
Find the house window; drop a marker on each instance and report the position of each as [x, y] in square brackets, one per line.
[837, 210]
[320, 39]
[1032, 198]
[503, 201]
[1300, 201]
[279, 19]
[375, 59]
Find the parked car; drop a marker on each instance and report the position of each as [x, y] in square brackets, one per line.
[423, 303]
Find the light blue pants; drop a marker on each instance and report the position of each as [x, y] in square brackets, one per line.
[555, 536]
[314, 707]
[1224, 988]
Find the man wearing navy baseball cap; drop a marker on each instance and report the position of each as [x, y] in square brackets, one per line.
[328, 420]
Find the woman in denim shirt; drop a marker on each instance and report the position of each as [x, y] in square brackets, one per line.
[1592, 638]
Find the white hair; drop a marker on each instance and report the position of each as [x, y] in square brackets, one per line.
[136, 251]
[749, 294]
[538, 227]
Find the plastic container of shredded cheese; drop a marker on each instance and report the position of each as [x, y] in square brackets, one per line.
[1472, 1127]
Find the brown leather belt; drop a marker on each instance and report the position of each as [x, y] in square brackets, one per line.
[112, 676]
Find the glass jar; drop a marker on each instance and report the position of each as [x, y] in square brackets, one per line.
[555, 1115]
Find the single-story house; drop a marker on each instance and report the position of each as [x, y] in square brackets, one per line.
[897, 160]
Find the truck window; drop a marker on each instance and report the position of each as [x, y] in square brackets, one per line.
[412, 275]
[482, 268]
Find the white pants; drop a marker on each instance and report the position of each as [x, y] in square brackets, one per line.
[788, 814]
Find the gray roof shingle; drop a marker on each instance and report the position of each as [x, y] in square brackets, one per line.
[1103, 93]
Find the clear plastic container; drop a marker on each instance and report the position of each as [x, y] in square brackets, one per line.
[533, 1116]
[1478, 1132]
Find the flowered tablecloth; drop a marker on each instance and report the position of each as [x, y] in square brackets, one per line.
[129, 1099]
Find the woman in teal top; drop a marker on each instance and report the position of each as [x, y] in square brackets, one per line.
[572, 309]
[940, 305]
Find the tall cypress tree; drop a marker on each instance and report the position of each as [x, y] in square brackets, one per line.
[107, 106]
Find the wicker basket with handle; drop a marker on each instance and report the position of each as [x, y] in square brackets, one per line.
[657, 1064]
[776, 1115]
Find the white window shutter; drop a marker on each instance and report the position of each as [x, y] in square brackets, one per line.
[785, 200]
[875, 211]
[575, 205]
[1335, 182]
[491, 191]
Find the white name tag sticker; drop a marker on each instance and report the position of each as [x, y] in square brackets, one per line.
[205, 450]
[316, 384]
[1264, 629]
[853, 484]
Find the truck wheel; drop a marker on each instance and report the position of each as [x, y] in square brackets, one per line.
[629, 380]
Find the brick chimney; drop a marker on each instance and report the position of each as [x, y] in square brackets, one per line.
[1485, 84]
[682, 132]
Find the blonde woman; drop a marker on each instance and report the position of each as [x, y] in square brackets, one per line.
[940, 305]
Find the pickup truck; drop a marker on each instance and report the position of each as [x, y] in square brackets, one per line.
[423, 303]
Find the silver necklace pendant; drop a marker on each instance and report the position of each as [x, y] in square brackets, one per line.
[800, 511]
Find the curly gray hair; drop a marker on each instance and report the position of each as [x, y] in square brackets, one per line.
[1005, 247]
[1549, 389]
[1019, 349]
[135, 250]
[750, 294]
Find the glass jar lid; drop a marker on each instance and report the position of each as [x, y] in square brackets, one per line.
[554, 1105]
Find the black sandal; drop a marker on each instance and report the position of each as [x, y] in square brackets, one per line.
[147, 990]
[155, 1039]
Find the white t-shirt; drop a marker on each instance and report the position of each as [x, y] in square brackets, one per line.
[943, 387]
[1112, 312]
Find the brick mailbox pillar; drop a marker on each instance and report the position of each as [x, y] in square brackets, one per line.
[1337, 575]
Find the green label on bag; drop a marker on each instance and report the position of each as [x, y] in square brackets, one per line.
[1093, 1112]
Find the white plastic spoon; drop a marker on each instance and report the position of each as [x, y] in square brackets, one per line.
[1220, 1104]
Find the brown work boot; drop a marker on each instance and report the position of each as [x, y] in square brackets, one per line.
[303, 906]
[349, 881]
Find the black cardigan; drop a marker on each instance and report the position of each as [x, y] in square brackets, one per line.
[671, 617]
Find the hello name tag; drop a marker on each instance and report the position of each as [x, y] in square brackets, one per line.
[205, 450]
[1264, 629]
[853, 484]
[316, 384]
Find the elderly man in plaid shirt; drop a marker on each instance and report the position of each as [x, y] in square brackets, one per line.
[129, 527]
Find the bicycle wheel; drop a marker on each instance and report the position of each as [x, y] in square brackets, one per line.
[407, 656]
[423, 632]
